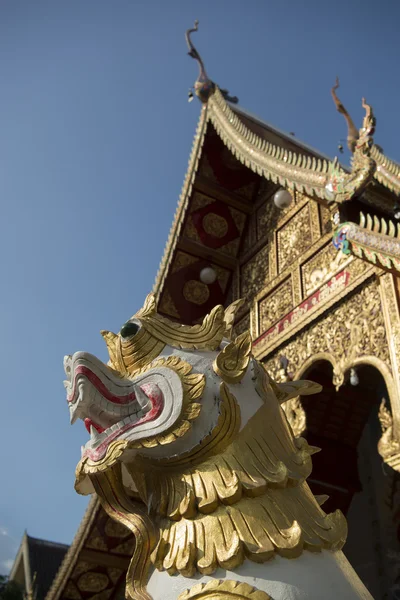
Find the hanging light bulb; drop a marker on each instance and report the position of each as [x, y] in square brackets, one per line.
[208, 275]
[354, 380]
[282, 199]
[190, 95]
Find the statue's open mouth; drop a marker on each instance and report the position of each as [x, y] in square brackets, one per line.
[108, 404]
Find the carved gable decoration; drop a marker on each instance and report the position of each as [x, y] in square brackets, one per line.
[214, 224]
[185, 296]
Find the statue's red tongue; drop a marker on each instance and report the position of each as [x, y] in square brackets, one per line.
[89, 423]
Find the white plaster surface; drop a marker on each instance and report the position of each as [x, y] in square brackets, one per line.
[323, 576]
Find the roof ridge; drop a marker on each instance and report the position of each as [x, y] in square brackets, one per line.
[304, 173]
[292, 139]
[46, 542]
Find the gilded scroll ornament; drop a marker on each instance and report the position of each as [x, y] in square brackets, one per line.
[224, 589]
[232, 362]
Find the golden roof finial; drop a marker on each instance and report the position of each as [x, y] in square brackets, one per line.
[203, 87]
[352, 131]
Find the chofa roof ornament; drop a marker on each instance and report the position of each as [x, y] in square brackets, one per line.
[352, 131]
[341, 186]
[204, 87]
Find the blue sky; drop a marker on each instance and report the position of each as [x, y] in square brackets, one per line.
[95, 134]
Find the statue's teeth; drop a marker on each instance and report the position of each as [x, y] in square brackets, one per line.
[141, 397]
[95, 436]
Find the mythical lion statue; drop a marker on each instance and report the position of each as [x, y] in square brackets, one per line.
[189, 423]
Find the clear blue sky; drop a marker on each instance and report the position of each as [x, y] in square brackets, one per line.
[95, 134]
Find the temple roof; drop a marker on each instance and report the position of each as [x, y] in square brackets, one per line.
[36, 564]
[276, 159]
[97, 560]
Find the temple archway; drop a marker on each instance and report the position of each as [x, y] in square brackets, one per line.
[344, 422]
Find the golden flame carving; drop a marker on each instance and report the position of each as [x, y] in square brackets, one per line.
[232, 362]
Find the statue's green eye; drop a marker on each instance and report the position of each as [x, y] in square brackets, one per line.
[129, 329]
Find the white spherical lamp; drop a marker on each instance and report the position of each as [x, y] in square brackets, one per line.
[208, 275]
[282, 199]
[354, 380]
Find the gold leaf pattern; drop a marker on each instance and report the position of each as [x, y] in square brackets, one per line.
[276, 305]
[354, 329]
[321, 267]
[255, 274]
[294, 238]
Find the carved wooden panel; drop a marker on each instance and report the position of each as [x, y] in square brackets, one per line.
[185, 297]
[274, 306]
[321, 267]
[268, 216]
[254, 274]
[214, 224]
[249, 235]
[336, 288]
[353, 329]
[294, 238]
[326, 222]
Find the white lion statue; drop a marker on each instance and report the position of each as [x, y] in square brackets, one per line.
[190, 449]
